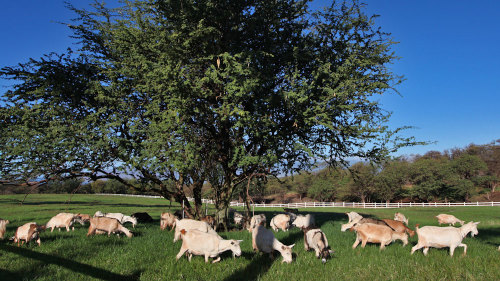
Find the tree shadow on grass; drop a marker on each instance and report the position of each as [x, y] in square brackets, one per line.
[487, 235]
[9, 275]
[261, 264]
[66, 263]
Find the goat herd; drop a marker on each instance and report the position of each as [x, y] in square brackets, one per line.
[200, 238]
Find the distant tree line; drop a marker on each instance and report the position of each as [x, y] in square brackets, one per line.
[452, 175]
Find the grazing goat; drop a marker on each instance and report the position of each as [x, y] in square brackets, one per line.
[238, 218]
[196, 242]
[353, 216]
[65, 220]
[82, 218]
[349, 225]
[27, 232]
[400, 217]
[104, 224]
[99, 214]
[316, 239]
[3, 227]
[399, 226]
[375, 233]
[210, 220]
[441, 237]
[122, 218]
[257, 220]
[448, 219]
[142, 217]
[167, 220]
[263, 240]
[304, 221]
[280, 221]
[189, 224]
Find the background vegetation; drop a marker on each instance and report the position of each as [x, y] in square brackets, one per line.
[150, 254]
[453, 175]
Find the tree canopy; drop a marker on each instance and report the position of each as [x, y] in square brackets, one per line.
[178, 93]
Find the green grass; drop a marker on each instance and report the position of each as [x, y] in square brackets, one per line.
[150, 254]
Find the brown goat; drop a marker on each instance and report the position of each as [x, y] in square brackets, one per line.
[109, 225]
[399, 226]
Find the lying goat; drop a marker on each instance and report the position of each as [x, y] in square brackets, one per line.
[441, 237]
[100, 225]
[210, 245]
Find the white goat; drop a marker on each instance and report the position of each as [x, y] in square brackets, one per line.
[280, 221]
[400, 217]
[302, 221]
[3, 227]
[210, 245]
[448, 219]
[189, 224]
[257, 220]
[316, 239]
[167, 220]
[263, 240]
[27, 232]
[65, 220]
[441, 237]
[353, 216]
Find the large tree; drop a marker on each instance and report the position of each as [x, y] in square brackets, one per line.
[177, 93]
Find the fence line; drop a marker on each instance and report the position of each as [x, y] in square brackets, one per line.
[332, 204]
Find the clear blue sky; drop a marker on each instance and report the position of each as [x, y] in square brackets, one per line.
[449, 53]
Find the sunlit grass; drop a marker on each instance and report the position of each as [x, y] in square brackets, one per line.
[150, 254]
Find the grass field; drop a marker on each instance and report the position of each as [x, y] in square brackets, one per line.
[150, 254]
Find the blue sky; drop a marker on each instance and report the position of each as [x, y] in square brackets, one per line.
[448, 49]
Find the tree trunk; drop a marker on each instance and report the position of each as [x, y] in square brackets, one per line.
[198, 204]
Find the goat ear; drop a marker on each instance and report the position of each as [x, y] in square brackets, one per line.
[291, 246]
[239, 241]
[476, 223]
